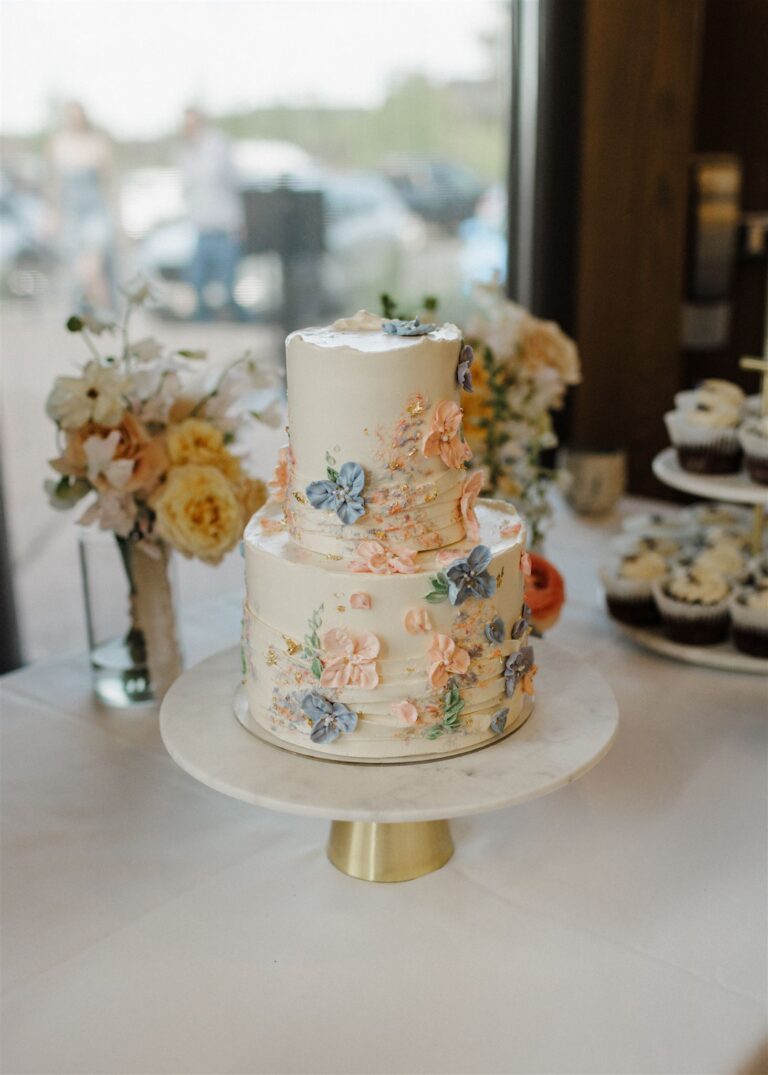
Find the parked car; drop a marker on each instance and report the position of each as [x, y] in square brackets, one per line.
[442, 192]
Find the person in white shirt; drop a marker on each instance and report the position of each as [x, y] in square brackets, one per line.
[215, 208]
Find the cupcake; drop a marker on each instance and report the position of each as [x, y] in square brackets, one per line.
[675, 523]
[712, 513]
[628, 584]
[724, 552]
[749, 618]
[703, 428]
[668, 547]
[693, 604]
[753, 437]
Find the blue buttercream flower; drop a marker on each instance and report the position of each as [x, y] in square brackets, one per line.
[494, 631]
[522, 625]
[464, 368]
[499, 721]
[329, 719]
[515, 667]
[340, 493]
[396, 327]
[469, 578]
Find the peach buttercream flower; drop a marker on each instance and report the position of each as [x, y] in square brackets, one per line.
[278, 486]
[446, 659]
[349, 660]
[399, 560]
[360, 600]
[198, 513]
[470, 491]
[417, 621]
[444, 436]
[406, 711]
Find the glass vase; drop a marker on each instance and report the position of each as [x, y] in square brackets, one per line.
[130, 618]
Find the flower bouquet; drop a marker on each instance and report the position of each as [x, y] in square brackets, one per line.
[154, 441]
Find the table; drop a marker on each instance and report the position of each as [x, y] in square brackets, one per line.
[619, 925]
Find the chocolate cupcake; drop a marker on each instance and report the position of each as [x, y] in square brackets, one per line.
[749, 618]
[627, 581]
[703, 428]
[753, 437]
[726, 552]
[693, 604]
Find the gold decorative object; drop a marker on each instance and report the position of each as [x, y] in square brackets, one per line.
[389, 851]
[299, 496]
[759, 365]
[292, 647]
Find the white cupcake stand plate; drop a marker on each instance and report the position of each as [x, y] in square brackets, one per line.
[723, 656]
[390, 822]
[732, 488]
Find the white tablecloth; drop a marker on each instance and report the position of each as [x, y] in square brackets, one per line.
[619, 925]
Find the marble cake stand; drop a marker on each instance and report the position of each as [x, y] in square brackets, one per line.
[390, 822]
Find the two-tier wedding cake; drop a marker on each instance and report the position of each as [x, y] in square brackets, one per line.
[384, 614]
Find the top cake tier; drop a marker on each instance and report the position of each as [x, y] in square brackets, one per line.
[377, 451]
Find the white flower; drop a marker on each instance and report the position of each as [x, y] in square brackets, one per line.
[247, 389]
[100, 458]
[112, 511]
[97, 396]
[139, 291]
[146, 350]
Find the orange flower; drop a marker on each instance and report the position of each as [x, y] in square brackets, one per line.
[148, 453]
[349, 660]
[444, 438]
[544, 592]
[446, 659]
[470, 491]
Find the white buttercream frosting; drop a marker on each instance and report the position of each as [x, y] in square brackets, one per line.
[697, 586]
[643, 566]
[362, 321]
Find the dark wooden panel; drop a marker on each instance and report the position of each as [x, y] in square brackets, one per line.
[638, 97]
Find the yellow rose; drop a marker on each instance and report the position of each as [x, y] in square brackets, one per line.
[198, 512]
[252, 494]
[543, 344]
[196, 442]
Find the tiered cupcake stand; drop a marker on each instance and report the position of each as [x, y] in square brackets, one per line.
[389, 822]
[731, 489]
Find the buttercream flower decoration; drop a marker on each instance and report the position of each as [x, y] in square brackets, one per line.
[510, 529]
[405, 711]
[499, 721]
[378, 560]
[97, 396]
[494, 631]
[329, 719]
[444, 436]
[522, 625]
[348, 660]
[470, 577]
[520, 668]
[464, 368]
[341, 492]
[398, 327]
[278, 486]
[470, 491]
[446, 659]
[360, 600]
[417, 621]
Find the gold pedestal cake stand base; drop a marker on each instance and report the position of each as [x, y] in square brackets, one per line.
[389, 851]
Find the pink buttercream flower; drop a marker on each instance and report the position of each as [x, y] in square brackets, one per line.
[447, 556]
[278, 486]
[272, 526]
[349, 660]
[511, 529]
[525, 564]
[360, 600]
[399, 560]
[417, 621]
[444, 438]
[406, 711]
[446, 659]
[470, 491]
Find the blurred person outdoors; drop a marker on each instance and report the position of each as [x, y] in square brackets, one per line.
[215, 208]
[82, 192]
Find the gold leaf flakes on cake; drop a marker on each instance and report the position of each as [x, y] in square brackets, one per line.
[431, 495]
[395, 464]
[333, 556]
[412, 452]
[416, 406]
[292, 647]
[300, 497]
[380, 535]
[500, 579]
[410, 670]
[341, 608]
[366, 431]
[271, 657]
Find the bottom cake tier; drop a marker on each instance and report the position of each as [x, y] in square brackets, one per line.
[381, 659]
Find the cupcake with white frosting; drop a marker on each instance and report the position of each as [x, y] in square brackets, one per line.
[628, 581]
[753, 437]
[713, 513]
[704, 427]
[726, 552]
[693, 603]
[749, 618]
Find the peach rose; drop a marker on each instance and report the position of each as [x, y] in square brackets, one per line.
[544, 345]
[198, 513]
[197, 442]
[349, 660]
[444, 439]
[417, 621]
[132, 442]
[544, 592]
[446, 659]
[470, 491]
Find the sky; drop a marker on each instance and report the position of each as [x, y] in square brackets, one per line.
[135, 63]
